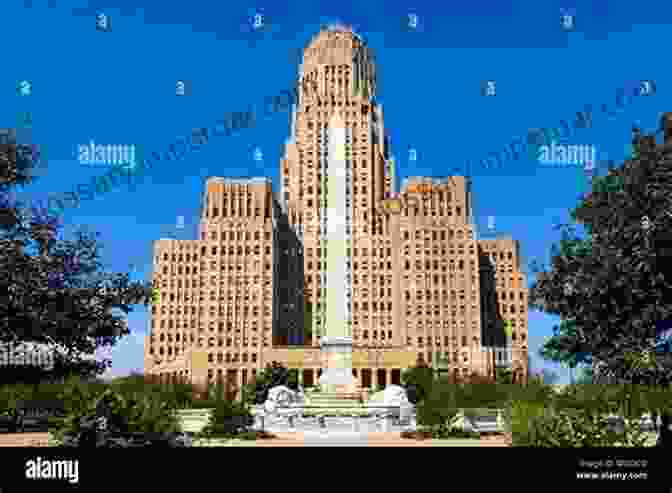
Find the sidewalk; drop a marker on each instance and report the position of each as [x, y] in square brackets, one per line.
[298, 439]
[24, 439]
[380, 439]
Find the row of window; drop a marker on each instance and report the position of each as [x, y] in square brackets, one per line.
[423, 302]
[435, 264]
[380, 252]
[177, 270]
[190, 338]
[436, 309]
[168, 323]
[435, 250]
[435, 197]
[236, 211]
[214, 310]
[236, 357]
[230, 325]
[223, 236]
[231, 299]
[230, 358]
[232, 282]
[364, 317]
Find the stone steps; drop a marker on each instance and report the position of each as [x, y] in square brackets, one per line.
[334, 399]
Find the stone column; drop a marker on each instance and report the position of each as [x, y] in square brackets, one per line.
[336, 341]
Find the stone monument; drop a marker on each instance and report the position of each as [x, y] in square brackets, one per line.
[336, 242]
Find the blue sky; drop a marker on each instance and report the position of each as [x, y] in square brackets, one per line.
[119, 88]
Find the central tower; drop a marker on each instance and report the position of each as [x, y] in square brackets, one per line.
[334, 169]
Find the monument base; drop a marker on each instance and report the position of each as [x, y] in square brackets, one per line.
[337, 365]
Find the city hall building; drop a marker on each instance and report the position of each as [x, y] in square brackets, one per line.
[419, 284]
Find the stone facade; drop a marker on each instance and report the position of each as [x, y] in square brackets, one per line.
[252, 289]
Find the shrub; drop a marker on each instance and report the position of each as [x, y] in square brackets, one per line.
[457, 433]
[203, 404]
[148, 414]
[581, 412]
[570, 428]
[228, 419]
[248, 435]
[10, 395]
[438, 411]
[256, 392]
[418, 382]
[176, 395]
[78, 396]
[136, 412]
[534, 391]
[482, 395]
[520, 415]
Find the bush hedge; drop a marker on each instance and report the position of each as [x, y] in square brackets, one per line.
[571, 428]
[437, 412]
[137, 405]
[129, 410]
[256, 391]
[229, 419]
[538, 415]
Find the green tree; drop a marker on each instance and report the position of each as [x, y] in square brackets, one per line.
[439, 408]
[552, 349]
[614, 285]
[256, 392]
[585, 375]
[55, 291]
[418, 381]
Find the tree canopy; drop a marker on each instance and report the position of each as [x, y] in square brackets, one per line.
[611, 286]
[55, 291]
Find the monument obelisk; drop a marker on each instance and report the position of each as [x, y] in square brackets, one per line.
[336, 231]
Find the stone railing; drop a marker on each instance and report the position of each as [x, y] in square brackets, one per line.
[323, 415]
